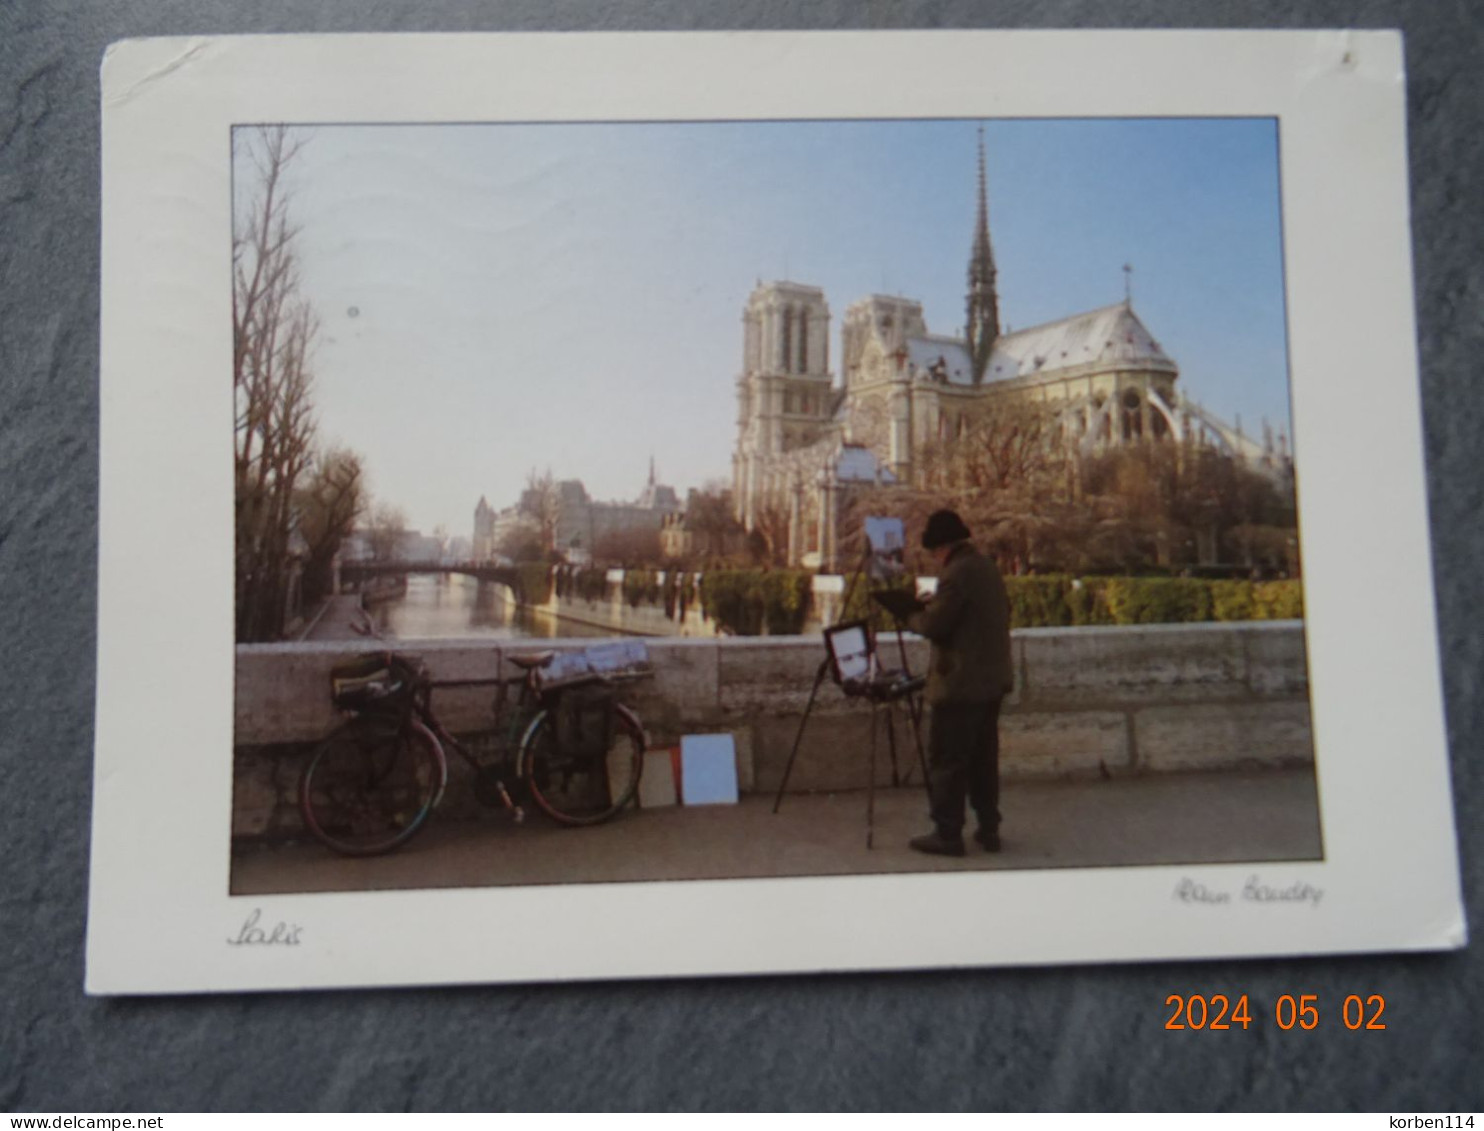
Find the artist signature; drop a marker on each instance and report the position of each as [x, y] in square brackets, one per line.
[1253, 891]
[280, 934]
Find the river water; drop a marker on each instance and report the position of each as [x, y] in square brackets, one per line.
[443, 606]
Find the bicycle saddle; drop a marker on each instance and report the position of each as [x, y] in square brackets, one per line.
[529, 660]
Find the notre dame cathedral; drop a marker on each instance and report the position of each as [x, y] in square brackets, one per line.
[802, 439]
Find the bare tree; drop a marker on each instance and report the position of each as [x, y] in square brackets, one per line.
[630, 547]
[521, 542]
[542, 502]
[328, 507]
[388, 525]
[1006, 444]
[711, 522]
[1182, 506]
[273, 332]
[767, 543]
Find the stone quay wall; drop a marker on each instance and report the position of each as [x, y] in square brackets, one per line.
[616, 615]
[613, 611]
[1113, 701]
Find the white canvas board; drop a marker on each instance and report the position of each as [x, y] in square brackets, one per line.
[852, 653]
[708, 769]
[659, 787]
[161, 919]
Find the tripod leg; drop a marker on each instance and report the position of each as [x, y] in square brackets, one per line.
[914, 712]
[799, 736]
[891, 743]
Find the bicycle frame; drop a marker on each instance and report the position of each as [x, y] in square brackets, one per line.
[507, 736]
[351, 811]
[533, 700]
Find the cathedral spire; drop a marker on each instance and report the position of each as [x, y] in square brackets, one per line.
[982, 326]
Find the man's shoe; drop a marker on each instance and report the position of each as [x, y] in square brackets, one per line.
[936, 844]
[987, 839]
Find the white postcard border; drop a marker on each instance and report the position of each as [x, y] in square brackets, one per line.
[160, 915]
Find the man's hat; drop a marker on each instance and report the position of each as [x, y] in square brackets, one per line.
[943, 528]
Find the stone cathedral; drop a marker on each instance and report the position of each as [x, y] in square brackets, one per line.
[803, 439]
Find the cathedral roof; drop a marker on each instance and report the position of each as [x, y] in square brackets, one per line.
[925, 352]
[1110, 335]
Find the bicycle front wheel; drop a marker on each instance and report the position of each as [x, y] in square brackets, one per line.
[582, 787]
[370, 786]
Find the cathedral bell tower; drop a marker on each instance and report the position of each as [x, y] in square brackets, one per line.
[783, 392]
[982, 325]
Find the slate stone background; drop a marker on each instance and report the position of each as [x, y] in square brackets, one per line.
[1089, 1037]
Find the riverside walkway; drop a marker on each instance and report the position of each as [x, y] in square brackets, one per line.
[1166, 819]
[333, 619]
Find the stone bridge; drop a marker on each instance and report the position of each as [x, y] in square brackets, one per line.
[508, 576]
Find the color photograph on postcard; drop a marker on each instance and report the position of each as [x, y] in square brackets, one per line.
[634, 501]
[798, 522]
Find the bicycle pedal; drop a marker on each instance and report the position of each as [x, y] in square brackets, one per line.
[518, 815]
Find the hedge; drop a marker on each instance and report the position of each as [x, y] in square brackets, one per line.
[1039, 601]
[746, 601]
[861, 607]
[750, 602]
[1258, 600]
[641, 587]
[534, 580]
[1277, 600]
[1158, 600]
[591, 584]
[1054, 599]
[1088, 601]
[1231, 600]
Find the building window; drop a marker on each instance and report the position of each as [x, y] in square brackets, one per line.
[803, 341]
[787, 337]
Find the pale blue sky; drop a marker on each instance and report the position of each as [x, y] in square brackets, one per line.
[495, 298]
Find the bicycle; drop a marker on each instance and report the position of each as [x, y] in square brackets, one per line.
[567, 743]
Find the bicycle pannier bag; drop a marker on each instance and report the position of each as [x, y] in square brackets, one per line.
[371, 682]
[585, 719]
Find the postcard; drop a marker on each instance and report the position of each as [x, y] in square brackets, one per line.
[693, 503]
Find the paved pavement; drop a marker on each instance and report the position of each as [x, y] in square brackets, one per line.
[333, 619]
[1228, 817]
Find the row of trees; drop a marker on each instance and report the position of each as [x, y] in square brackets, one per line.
[1033, 501]
[295, 500]
[1041, 506]
[540, 507]
[708, 517]
[1147, 509]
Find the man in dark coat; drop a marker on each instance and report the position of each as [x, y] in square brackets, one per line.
[968, 623]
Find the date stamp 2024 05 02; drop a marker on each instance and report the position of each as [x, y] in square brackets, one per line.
[1290, 1011]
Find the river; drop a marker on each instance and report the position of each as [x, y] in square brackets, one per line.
[441, 606]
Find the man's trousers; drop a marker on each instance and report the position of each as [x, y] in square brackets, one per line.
[964, 762]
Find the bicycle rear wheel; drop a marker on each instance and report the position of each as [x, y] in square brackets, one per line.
[370, 786]
[582, 787]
